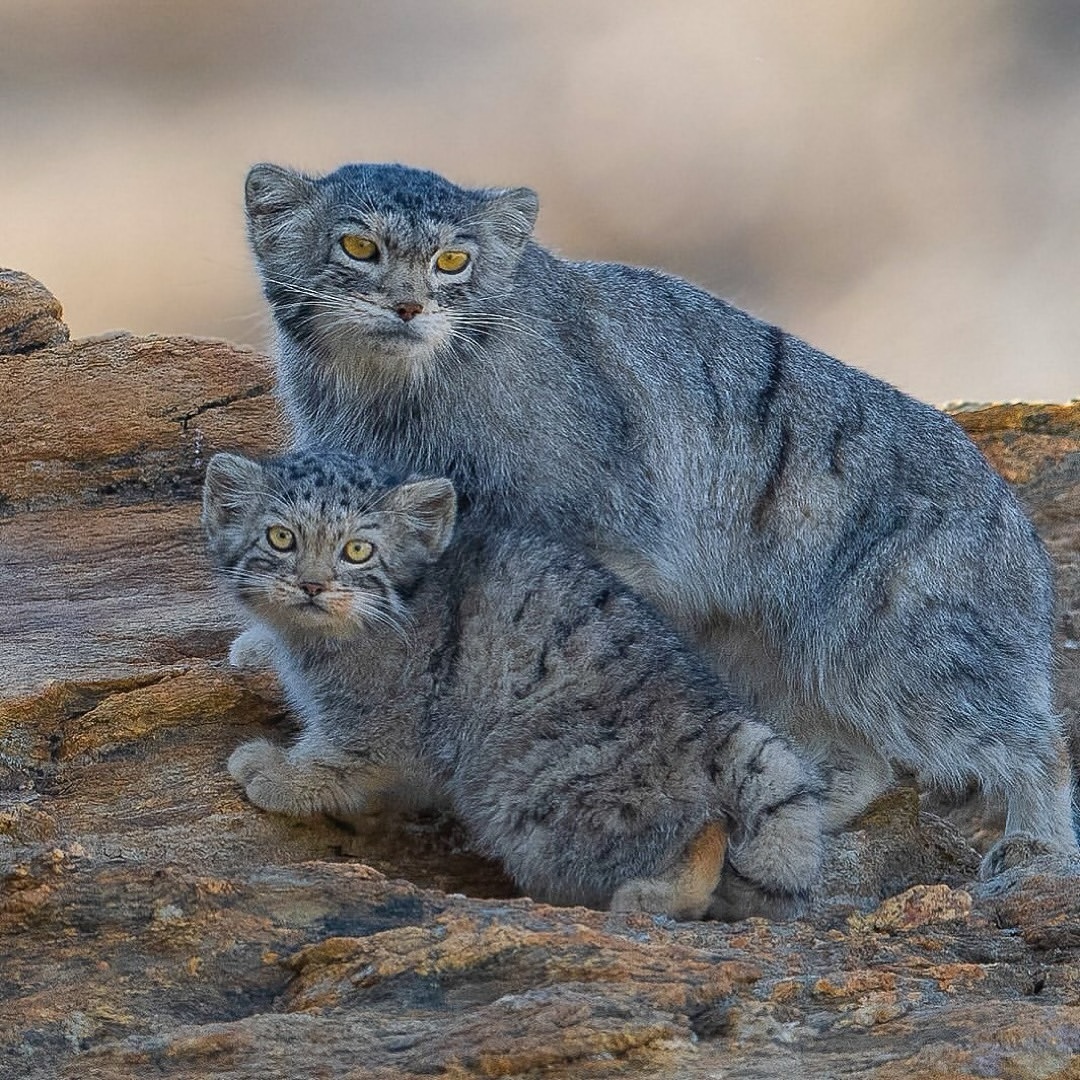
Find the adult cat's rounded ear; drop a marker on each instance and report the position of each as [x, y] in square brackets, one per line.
[230, 482]
[513, 210]
[428, 510]
[273, 189]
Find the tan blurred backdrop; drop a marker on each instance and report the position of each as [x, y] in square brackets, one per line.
[897, 181]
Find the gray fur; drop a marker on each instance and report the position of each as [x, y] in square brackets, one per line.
[844, 550]
[577, 738]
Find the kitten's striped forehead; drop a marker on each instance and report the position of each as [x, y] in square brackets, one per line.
[326, 482]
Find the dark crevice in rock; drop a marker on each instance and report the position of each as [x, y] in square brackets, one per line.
[219, 403]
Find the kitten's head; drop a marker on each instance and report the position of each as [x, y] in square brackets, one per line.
[383, 264]
[322, 543]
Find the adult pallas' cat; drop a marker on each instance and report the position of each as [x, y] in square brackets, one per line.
[581, 743]
[844, 549]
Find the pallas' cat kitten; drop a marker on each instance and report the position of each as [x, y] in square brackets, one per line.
[844, 550]
[578, 740]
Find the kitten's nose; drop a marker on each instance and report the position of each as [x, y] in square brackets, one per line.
[408, 310]
[312, 588]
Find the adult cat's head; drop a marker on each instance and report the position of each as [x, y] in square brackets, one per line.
[322, 543]
[382, 264]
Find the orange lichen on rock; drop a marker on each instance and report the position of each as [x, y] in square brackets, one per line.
[1020, 440]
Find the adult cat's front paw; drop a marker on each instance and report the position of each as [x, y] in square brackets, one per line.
[263, 770]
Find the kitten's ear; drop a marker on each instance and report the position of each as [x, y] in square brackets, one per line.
[231, 481]
[429, 510]
[513, 210]
[272, 189]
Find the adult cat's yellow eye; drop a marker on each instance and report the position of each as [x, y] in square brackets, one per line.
[359, 247]
[358, 551]
[280, 538]
[452, 262]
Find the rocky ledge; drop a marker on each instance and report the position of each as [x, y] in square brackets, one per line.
[153, 923]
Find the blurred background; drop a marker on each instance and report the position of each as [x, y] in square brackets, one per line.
[897, 181]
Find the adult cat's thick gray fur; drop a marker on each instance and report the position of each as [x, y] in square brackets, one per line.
[844, 548]
[579, 740]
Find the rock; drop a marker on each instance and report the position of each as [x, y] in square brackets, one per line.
[894, 843]
[30, 316]
[118, 419]
[1022, 441]
[914, 908]
[154, 923]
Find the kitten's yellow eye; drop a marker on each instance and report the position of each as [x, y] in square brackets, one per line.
[359, 247]
[280, 538]
[452, 262]
[358, 551]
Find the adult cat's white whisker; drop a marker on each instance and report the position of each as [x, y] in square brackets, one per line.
[517, 316]
[457, 337]
[495, 323]
[490, 317]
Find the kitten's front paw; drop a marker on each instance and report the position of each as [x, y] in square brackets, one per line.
[252, 649]
[262, 768]
[686, 890]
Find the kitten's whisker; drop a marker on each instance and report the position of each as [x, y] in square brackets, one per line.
[339, 321]
[383, 612]
[241, 578]
[249, 317]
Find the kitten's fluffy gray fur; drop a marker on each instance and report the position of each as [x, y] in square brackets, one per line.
[844, 548]
[579, 740]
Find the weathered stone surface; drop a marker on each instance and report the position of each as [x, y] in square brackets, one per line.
[1021, 440]
[154, 923]
[30, 316]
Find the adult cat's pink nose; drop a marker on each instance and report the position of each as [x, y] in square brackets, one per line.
[408, 310]
[312, 588]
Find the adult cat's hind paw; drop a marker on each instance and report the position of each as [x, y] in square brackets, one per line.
[1012, 851]
[263, 770]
